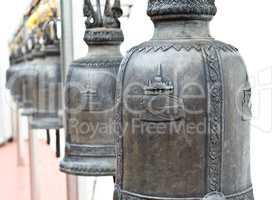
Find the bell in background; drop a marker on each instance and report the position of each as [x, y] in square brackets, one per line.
[15, 78]
[29, 80]
[184, 110]
[38, 63]
[48, 91]
[53, 60]
[90, 93]
[10, 71]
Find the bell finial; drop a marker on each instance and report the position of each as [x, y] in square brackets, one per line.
[106, 28]
[50, 32]
[99, 13]
[108, 10]
[94, 18]
[111, 15]
[116, 9]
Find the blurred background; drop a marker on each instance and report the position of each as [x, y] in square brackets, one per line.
[248, 25]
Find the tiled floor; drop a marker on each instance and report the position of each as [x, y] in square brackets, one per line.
[14, 180]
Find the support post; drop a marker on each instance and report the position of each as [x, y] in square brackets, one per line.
[34, 175]
[16, 133]
[58, 143]
[72, 187]
[94, 189]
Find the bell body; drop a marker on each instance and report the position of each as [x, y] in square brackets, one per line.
[9, 73]
[47, 94]
[15, 81]
[29, 80]
[89, 97]
[183, 117]
[8, 76]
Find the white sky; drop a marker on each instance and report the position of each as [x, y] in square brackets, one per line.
[11, 12]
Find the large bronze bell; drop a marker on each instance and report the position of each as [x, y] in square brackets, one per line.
[47, 94]
[89, 97]
[184, 111]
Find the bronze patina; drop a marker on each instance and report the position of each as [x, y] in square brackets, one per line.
[183, 115]
[29, 77]
[48, 91]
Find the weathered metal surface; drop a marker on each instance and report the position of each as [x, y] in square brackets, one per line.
[48, 91]
[9, 72]
[48, 94]
[29, 80]
[182, 120]
[15, 80]
[90, 95]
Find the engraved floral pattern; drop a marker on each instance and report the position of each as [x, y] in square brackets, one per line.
[215, 117]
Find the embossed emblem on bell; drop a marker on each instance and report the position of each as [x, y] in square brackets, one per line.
[160, 104]
[183, 111]
[90, 95]
[48, 92]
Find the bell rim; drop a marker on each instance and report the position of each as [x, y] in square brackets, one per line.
[69, 166]
[46, 123]
[27, 112]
